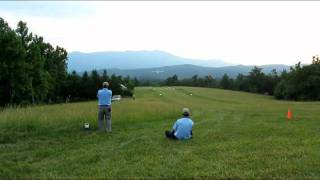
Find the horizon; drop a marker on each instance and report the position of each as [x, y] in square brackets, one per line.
[212, 59]
[249, 35]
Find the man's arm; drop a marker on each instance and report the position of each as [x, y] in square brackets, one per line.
[110, 92]
[175, 126]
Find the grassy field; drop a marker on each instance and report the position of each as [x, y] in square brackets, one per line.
[236, 135]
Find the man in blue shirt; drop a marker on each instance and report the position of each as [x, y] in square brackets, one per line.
[182, 128]
[104, 100]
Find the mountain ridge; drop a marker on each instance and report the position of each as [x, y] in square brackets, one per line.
[157, 65]
[80, 61]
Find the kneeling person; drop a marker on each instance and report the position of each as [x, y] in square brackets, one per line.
[182, 128]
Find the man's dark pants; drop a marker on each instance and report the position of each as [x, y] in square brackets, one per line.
[170, 135]
[104, 115]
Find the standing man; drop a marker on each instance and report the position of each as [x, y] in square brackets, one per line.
[182, 128]
[104, 99]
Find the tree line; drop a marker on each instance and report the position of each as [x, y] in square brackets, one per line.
[300, 83]
[33, 71]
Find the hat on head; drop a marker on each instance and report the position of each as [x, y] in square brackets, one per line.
[186, 111]
[105, 84]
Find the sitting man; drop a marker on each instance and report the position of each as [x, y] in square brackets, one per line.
[182, 128]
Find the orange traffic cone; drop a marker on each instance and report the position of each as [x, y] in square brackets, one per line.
[289, 114]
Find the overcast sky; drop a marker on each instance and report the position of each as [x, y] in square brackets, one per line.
[262, 32]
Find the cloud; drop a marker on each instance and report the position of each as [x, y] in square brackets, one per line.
[61, 9]
[238, 32]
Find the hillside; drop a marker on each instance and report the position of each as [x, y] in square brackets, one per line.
[187, 71]
[236, 136]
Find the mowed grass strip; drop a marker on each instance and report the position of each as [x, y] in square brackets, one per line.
[236, 135]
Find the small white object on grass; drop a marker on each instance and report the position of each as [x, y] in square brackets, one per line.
[86, 125]
[191, 94]
[160, 94]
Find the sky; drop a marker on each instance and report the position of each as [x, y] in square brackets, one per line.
[238, 32]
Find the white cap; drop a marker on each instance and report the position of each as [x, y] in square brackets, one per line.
[105, 84]
[186, 110]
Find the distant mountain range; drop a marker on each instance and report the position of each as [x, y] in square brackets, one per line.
[157, 65]
[132, 60]
[187, 71]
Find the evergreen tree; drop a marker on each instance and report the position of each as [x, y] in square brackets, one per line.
[172, 81]
[256, 80]
[225, 82]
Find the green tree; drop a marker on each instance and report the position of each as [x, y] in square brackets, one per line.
[13, 75]
[256, 80]
[226, 82]
[301, 83]
[172, 81]
[115, 84]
